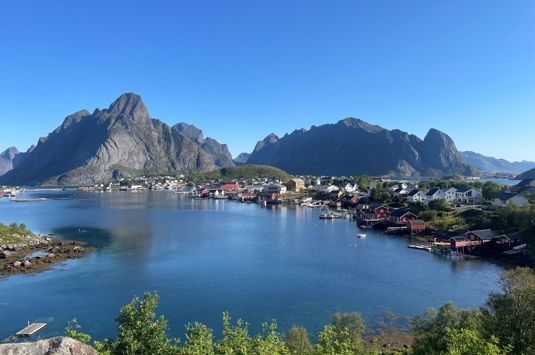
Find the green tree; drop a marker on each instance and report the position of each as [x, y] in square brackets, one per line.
[469, 342]
[298, 341]
[140, 332]
[430, 329]
[343, 335]
[73, 330]
[199, 340]
[270, 341]
[491, 190]
[510, 314]
[439, 205]
[236, 338]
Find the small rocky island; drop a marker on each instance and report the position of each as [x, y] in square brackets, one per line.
[22, 252]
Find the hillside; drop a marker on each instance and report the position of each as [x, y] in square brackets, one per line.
[247, 171]
[527, 175]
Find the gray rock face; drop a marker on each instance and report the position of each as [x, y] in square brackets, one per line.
[120, 141]
[355, 147]
[242, 158]
[10, 159]
[219, 151]
[52, 346]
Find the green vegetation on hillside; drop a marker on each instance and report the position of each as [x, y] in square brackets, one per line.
[248, 171]
[504, 325]
[14, 233]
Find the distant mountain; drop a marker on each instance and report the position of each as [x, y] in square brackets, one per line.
[355, 147]
[527, 175]
[242, 158]
[10, 159]
[494, 165]
[122, 140]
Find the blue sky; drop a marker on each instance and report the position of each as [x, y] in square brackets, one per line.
[242, 69]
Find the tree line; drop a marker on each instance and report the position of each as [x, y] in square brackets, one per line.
[504, 325]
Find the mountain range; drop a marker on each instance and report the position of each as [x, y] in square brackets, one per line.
[120, 141]
[494, 165]
[354, 147]
[123, 140]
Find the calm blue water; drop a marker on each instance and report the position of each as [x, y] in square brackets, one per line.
[205, 257]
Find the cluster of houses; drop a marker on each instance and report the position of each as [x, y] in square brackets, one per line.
[465, 196]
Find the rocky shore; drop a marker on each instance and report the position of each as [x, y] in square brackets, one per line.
[37, 253]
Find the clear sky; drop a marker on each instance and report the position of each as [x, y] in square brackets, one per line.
[242, 69]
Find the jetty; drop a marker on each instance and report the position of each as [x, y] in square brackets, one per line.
[31, 329]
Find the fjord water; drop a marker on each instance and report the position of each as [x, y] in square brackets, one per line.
[205, 257]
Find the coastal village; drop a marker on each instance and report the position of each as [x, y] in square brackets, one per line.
[395, 206]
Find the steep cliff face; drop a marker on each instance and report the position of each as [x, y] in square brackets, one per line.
[122, 140]
[218, 151]
[355, 147]
[10, 159]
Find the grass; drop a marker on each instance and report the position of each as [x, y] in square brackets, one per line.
[14, 233]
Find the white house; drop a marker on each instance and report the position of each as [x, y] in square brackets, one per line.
[449, 194]
[433, 194]
[274, 189]
[416, 196]
[510, 199]
[469, 196]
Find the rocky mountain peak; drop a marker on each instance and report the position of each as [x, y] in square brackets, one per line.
[129, 105]
[270, 139]
[358, 123]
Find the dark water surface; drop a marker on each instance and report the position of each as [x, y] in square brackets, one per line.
[205, 257]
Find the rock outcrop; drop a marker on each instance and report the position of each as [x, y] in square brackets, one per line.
[52, 346]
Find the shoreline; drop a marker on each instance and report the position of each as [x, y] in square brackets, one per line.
[40, 253]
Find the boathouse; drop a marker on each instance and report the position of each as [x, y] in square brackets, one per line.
[401, 216]
[416, 226]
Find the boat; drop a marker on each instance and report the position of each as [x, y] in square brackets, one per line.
[330, 215]
[420, 247]
[360, 235]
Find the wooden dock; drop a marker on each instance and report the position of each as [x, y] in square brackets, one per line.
[30, 330]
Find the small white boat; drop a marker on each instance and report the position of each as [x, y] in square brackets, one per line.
[360, 235]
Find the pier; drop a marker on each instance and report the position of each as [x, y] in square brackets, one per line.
[31, 329]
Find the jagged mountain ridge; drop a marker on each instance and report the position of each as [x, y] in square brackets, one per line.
[494, 165]
[354, 147]
[122, 140]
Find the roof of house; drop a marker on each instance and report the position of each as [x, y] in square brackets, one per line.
[300, 181]
[506, 196]
[400, 213]
[432, 191]
[459, 238]
[414, 192]
[464, 189]
[485, 234]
